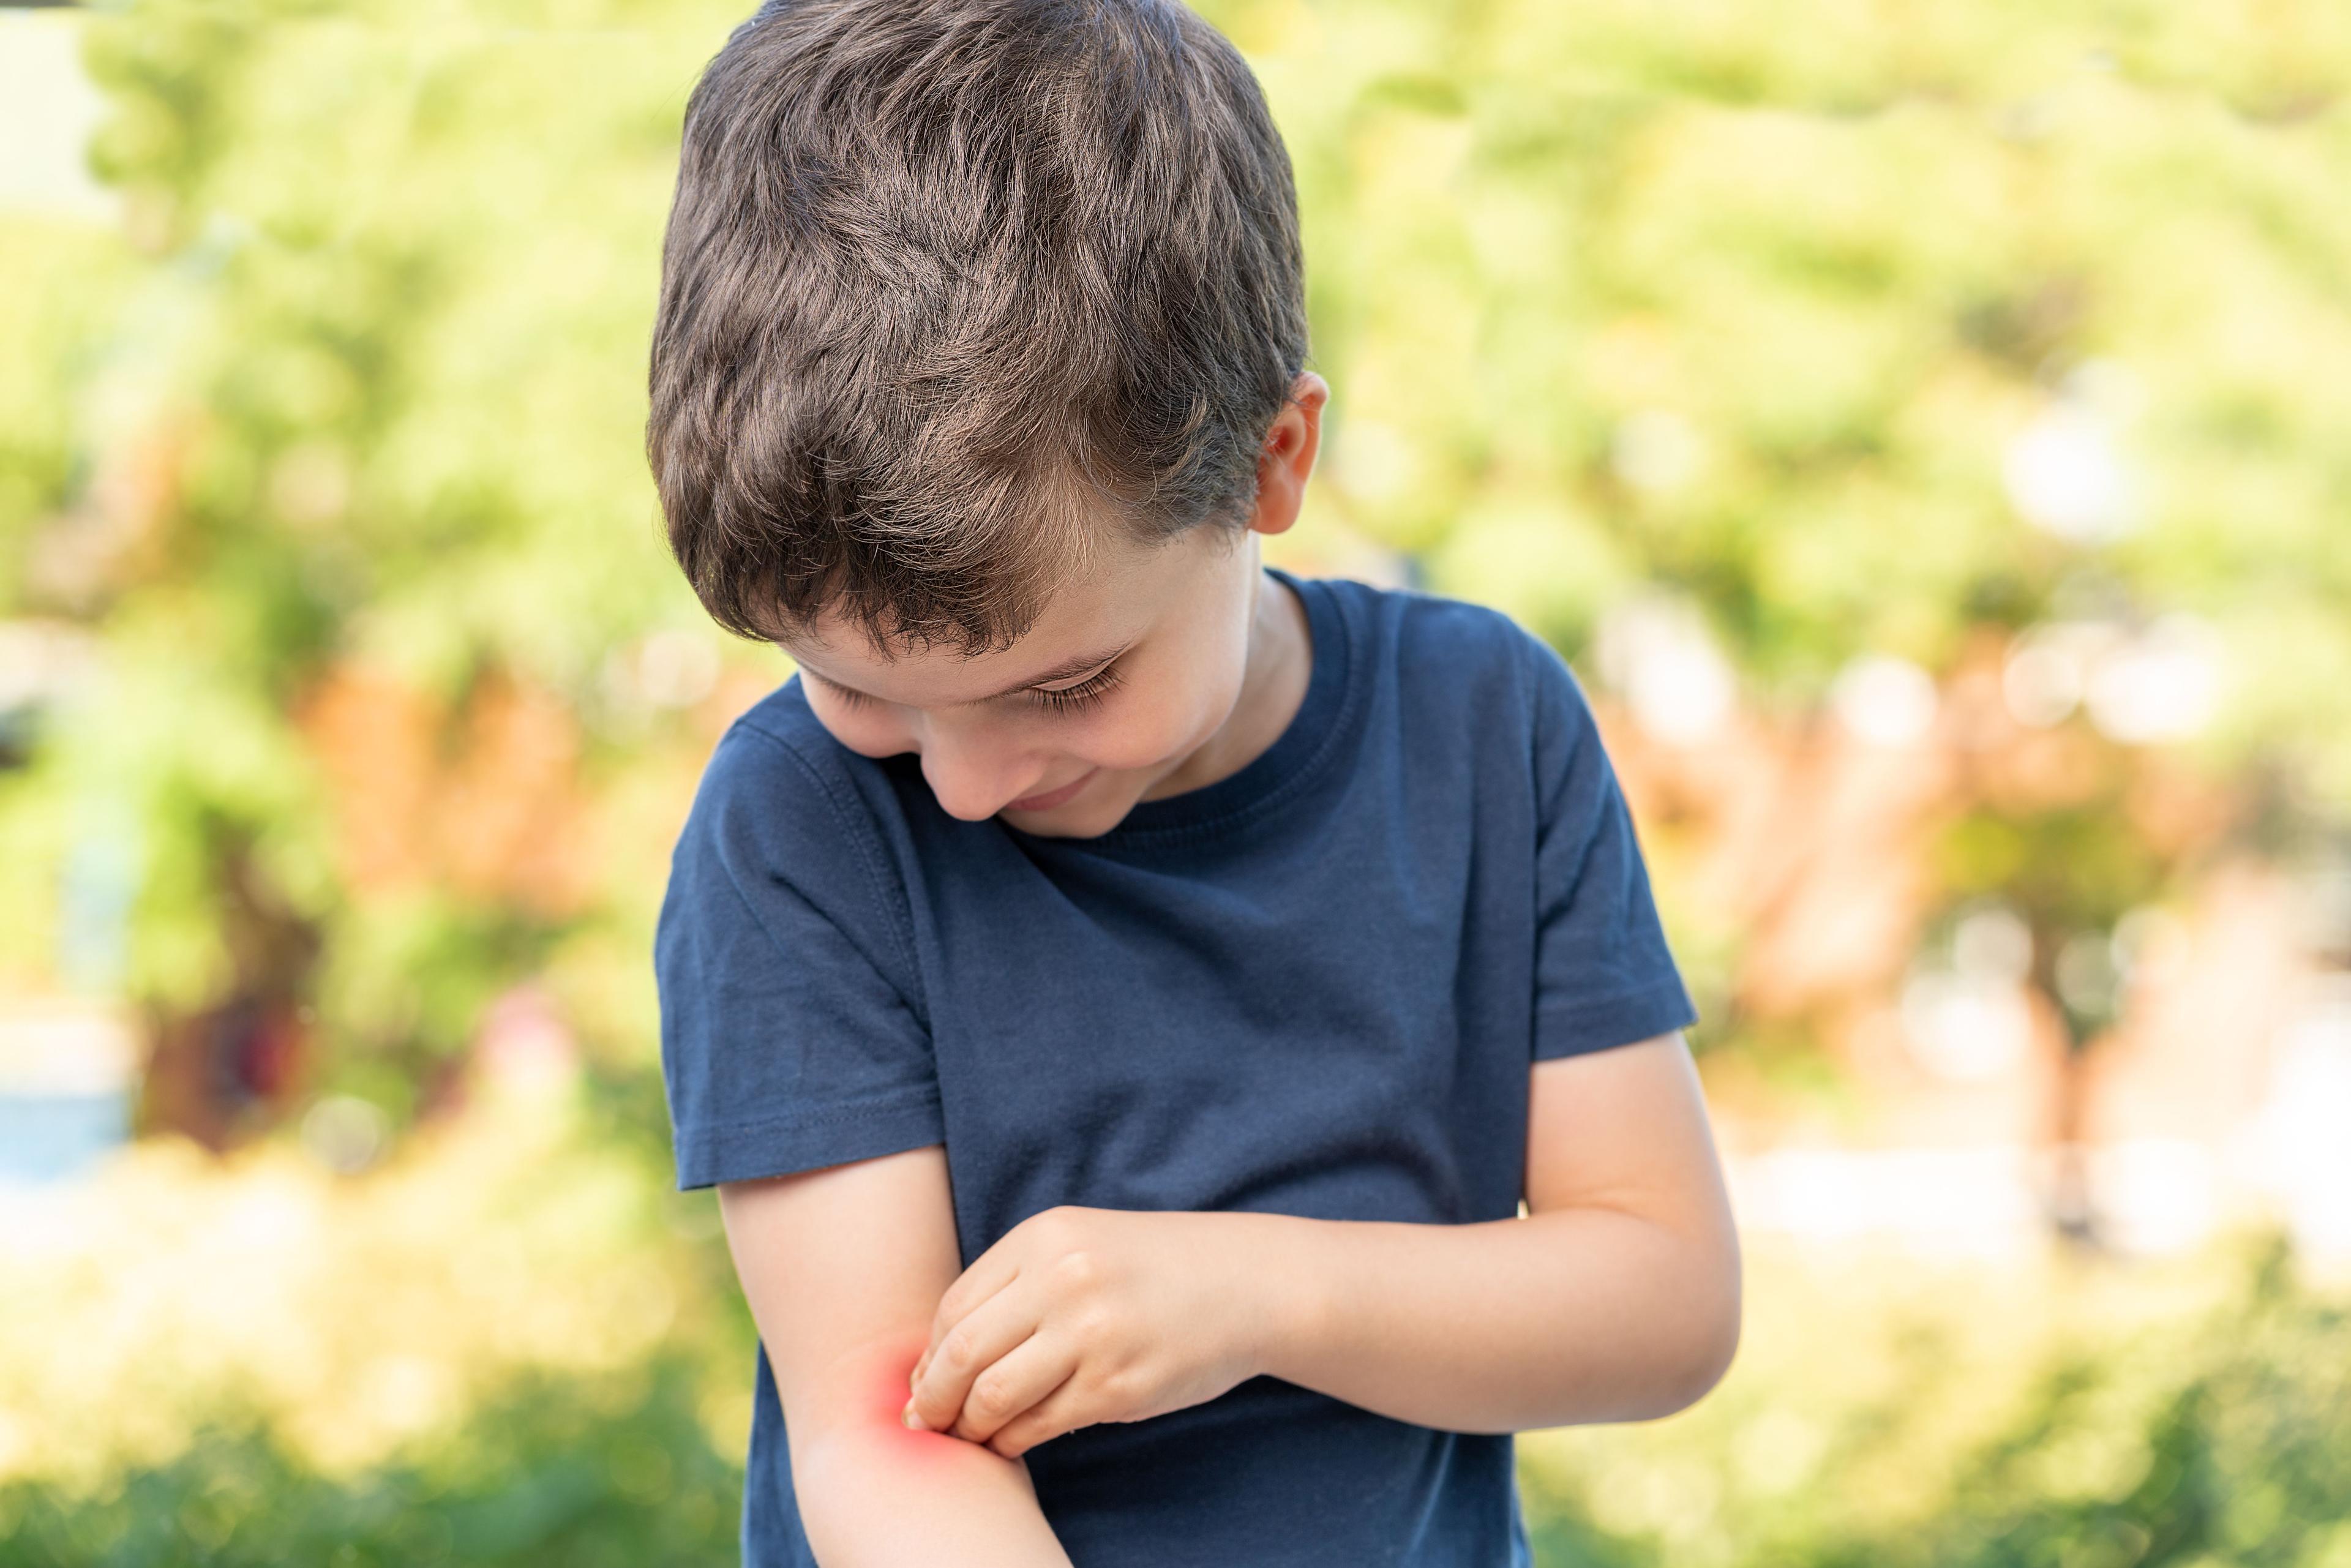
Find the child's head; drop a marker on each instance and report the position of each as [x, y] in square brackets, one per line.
[980, 350]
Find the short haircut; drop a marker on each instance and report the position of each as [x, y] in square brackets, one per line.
[947, 284]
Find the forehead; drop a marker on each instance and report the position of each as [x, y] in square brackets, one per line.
[1101, 606]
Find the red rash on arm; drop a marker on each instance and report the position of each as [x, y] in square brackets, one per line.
[890, 1375]
[879, 1494]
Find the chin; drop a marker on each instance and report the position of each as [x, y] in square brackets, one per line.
[1077, 820]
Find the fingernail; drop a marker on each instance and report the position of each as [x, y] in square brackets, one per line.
[911, 1420]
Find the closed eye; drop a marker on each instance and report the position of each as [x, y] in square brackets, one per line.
[1084, 694]
[1065, 700]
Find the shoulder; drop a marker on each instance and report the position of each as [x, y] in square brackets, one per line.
[767, 765]
[1453, 656]
[776, 739]
[781, 802]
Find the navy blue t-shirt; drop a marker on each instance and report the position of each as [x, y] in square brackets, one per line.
[1315, 986]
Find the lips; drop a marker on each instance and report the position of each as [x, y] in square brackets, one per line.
[1052, 797]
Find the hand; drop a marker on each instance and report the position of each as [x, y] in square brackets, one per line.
[1078, 1315]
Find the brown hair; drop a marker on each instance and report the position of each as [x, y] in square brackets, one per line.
[944, 279]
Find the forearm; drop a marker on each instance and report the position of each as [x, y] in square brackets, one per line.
[1576, 1316]
[873, 1494]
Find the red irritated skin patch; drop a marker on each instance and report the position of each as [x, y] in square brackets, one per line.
[889, 1374]
[877, 1490]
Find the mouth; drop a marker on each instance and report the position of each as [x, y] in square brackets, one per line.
[1052, 797]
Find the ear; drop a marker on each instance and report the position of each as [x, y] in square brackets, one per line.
[1287, 459]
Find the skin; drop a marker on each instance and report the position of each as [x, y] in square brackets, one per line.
[1615, 1298]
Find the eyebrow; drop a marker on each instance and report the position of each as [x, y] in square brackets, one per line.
[1063, 671]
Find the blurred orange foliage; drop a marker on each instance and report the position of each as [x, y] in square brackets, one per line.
[482, 797]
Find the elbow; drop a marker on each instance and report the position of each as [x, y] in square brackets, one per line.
[1712, 1363]
[1714, 1337]
[1710, 1332]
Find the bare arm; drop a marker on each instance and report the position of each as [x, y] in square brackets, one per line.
[1616, 1299]
[843, 1268]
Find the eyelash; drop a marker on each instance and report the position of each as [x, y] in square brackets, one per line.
[1084, 694]
[1068, 700]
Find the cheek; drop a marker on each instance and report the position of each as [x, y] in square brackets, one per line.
[1153, 727]
[868, 732]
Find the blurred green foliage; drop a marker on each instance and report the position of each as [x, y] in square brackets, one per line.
[1830, 258]
[616, 1473]
[360, 385]
[2240, 1453]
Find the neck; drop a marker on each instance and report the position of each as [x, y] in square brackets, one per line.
[1273, 687]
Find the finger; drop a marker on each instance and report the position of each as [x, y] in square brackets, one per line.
[989, 1272]
[971, 1348]
[1028, 1376]
[1067, 1409]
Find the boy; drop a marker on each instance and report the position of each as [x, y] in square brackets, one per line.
[1122, 994]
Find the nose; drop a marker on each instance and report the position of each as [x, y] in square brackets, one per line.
[972, 781]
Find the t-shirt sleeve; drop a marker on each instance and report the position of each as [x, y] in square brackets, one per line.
[1603, 973]
[788, 1039]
